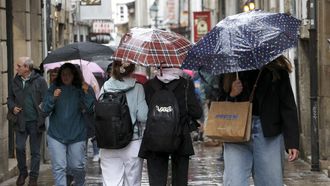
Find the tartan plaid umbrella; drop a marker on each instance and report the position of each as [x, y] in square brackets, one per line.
[153, 47]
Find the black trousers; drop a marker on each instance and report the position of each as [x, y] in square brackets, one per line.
[35, 137]
[158, 169]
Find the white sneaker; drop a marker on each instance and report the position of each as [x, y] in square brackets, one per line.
[96, 158]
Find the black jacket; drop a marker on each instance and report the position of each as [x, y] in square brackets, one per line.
[273, 102]
[16, 97]
[195, 112]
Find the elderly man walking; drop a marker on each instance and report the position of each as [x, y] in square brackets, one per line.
[24, 99]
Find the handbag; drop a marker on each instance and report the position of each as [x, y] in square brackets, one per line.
[193, 124]
[230, 121]
[11, 117]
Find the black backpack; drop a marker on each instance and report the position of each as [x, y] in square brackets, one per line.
[162, 133]
[113, 124]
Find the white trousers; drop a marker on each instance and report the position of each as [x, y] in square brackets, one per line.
[122, 167]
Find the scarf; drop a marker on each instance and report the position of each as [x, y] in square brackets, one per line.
[169, 74]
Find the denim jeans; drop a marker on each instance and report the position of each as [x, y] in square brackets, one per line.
[262, 157]
[35, 143]
[67, 157]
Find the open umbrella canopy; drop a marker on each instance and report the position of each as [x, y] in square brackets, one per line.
[152, 47]
[87, 68]
[243, 41]
[81, 50]
[93, 67]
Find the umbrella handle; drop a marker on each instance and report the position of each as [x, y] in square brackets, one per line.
[161, 69]
[237, 77]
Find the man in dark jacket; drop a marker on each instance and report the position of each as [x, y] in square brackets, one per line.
[24, 99]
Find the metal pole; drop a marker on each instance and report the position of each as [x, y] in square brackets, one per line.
[189, 21]
[315, 163]
[156, 20]
[156, 12]
[44, 31]
[179, 14]
[202, 5]
[49, 26]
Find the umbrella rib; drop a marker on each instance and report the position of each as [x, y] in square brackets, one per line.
[164, 49]
[153, 56]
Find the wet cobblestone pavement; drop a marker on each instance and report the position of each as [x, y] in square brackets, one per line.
[205, 170]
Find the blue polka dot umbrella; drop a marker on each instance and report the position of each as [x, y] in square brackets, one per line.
[243, 41]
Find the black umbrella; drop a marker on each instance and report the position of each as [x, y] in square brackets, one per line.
[82, 50]
[104, 61]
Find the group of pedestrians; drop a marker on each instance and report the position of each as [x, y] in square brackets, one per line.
[30, 101]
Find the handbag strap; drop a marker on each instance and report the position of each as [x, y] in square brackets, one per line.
[186, 95]
[254, 87]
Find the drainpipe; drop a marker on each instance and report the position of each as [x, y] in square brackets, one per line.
[313, 62]
[10, 66]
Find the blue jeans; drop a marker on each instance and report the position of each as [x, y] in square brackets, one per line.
[67, 157]
[35, 142]
[262, 157]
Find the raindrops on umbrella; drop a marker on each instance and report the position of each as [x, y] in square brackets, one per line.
[244, 41]
[152, 47]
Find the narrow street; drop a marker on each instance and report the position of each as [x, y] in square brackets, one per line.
[205, 170]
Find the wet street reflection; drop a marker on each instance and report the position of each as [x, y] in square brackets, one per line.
[206, 169]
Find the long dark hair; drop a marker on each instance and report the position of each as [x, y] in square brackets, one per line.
[77, 81]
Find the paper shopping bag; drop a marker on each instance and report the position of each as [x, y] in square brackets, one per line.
[229, 121]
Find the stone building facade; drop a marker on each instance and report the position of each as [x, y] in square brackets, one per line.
[21, 34]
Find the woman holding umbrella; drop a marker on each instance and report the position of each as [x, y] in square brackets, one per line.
[243, 43]
[123, 166]
[66, 135]
[158, 48]
[157, 161]
[274, 121]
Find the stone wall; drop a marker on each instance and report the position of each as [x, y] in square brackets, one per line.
[27, 41]
[3, 91]
[324, 84]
